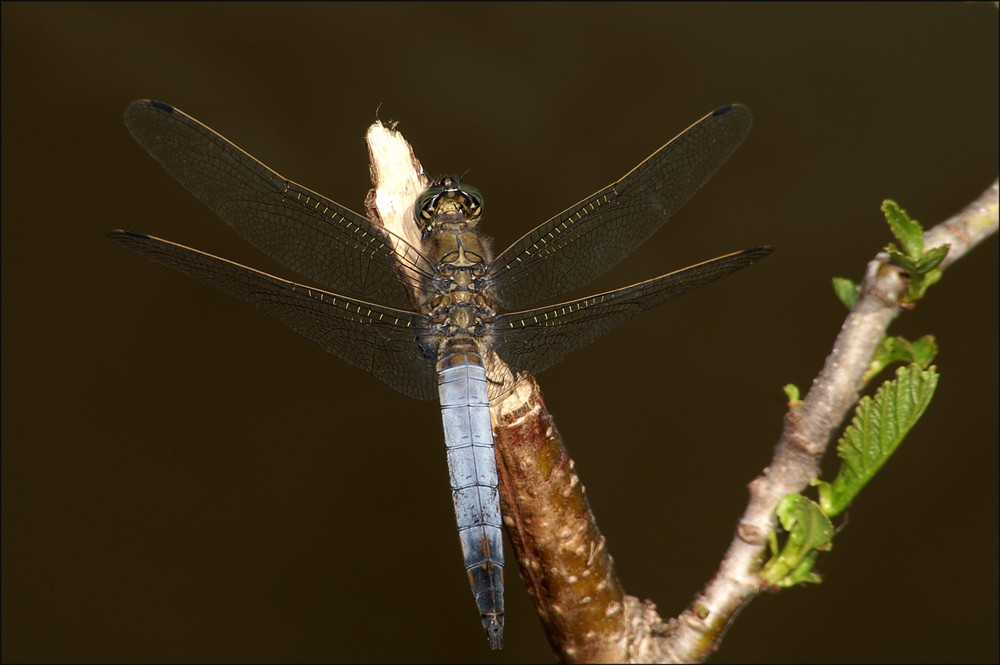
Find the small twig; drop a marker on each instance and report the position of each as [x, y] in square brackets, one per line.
[807, 433]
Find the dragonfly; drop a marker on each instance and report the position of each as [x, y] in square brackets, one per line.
[443, 318]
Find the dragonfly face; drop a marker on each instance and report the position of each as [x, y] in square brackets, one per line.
[448, 197]
[454, 341]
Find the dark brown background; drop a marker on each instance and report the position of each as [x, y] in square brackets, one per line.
[186, 480]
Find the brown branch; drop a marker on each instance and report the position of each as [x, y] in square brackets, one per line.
[562, 556]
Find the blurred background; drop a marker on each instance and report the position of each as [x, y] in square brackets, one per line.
[186, 480]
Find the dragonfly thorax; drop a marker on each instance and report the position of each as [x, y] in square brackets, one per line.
[460, 255]
[460, 306]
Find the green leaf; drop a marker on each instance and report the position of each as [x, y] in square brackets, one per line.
[923, 351]
[930, 259]
[907, 231]
[809, 532]
[846, 290]
[878, 427]
[921, 266]
[919, 286]
[899, 349]
[793, 394]
[901, 259]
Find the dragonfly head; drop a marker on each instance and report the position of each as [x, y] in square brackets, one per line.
[449, 200]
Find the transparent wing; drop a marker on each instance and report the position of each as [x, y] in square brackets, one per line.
[324, 242]
[536, 339]
[383, 341]
[585, 241]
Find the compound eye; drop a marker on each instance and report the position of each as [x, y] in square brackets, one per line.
[427, 203]
[472, 200]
